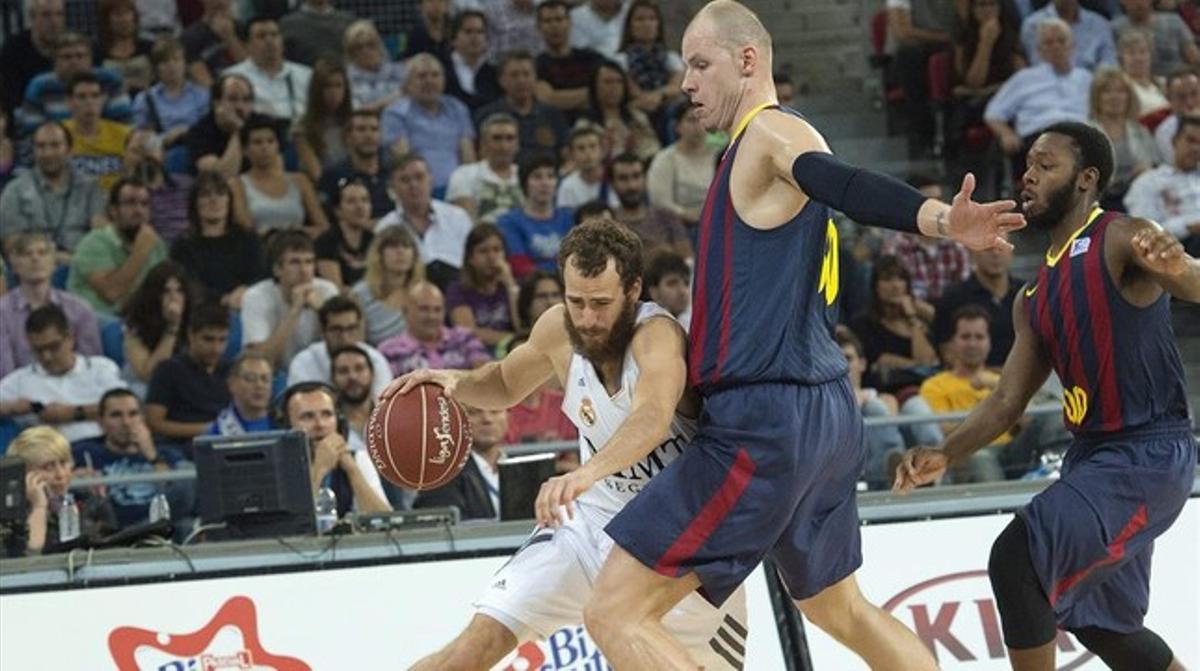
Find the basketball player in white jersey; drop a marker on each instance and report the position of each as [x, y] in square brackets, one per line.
[621, 364]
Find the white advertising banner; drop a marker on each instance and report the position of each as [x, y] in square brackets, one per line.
[932, 575]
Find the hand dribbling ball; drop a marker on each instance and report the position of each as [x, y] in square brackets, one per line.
[419, 440]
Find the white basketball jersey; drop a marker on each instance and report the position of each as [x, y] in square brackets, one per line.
[598, 416]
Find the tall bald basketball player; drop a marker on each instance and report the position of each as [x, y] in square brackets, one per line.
[780, 443]
[621, 364]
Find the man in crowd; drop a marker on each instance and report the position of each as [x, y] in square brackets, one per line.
[990, 286]
[46, 96]
[341, 326]
[489, 187]
[428, 343]
[214, 142]
[668, 282]
[249, 410]
[1170, 193]
[586, 182]
[476, 490]
[97, 144]
[187, 391]
[564, 72]
[534, 231]
[1183, 92]
[933, 264]
[512, 26]
[30, 52]
[280, 86]
[1093, 35]
[469, 75]
[658, 230]
[540, 127]
[212, 43]
[364, 163]
[314, 30]
[598, 24]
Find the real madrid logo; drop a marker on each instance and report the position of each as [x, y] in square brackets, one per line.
[586, 412]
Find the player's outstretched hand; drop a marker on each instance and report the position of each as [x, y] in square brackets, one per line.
[446, 379]
[982, 225]
[1160, 251]
[919, 466]
[558, 492]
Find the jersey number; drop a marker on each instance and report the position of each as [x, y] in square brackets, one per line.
[829, 265]
[1075, 402]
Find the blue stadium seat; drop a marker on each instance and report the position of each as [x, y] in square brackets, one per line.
[234, 346]
[178, 160]
[112, 340]
[8, 432]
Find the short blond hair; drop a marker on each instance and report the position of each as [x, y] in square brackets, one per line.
[40, 445]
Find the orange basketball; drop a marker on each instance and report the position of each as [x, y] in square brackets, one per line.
[419, 440]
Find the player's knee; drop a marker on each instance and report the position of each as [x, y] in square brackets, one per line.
[1140, 650]
[601, 620]
[1025, 613]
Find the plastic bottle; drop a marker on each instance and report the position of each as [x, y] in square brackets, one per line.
[326, 504]
[160, 509]
[68, 519]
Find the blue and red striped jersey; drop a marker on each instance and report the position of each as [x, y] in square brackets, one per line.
[1118, 363]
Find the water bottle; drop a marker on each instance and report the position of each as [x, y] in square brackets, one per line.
[159, 508]
[68, 519]
[326, 504]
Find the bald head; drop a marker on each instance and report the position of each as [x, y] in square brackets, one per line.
[426, 311]
[733, 26]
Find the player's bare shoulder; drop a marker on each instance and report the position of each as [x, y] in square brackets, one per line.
[775, 132]
[764, 192]
[659, 335]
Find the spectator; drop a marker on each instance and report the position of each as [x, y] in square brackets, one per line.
[279, 85]
[1113, 107]
[1170, 193]
[8, 154]
[475, 492]
[586, 182]
[439, 228]
[484, 300]
[364, 163]
[341, 326]
[933, 263]
[46, 96]
[626, 129]
[429, 122]
[785, 89]
[126, 447]
[223, 257]
[215, 143]
[894, 334]
[279, 315]
[188, 390]
[314, 31]
[920, 28]
[53, 198]
[431, 35]
[375, 81]
[655, 74]
[988, 53]
[47, 457]
[312, 407]
[30, 52]
[393, 267]
[1133, 52]
[1041, 94]
[170, 107]
[597, 24]
[992, 287]
[267, 197]
[427, 343]
[97, 144]
[249, 384]
[32, 256]
[213, 43]
[1091, 34]
[318, 134]
[658, 229]
[120, 48]
[540, 291]
[154, 319]
[1174, 44]
[158, 20]
[1183, 92]
[540, 128]
[469, 76]
[668, 282]
[62, 387]
[533, 232]
[110, 262]
[143, 161]
[564, 72]
[680, 174]
[489, 187]
[342, 250]
[512, 26]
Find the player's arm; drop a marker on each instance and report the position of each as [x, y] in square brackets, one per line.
[1158, 254]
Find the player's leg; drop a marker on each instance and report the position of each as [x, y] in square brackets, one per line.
[1026, 615]
[479, 647]
[715, 637]
[1142, 650]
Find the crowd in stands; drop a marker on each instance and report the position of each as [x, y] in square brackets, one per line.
[197, 215]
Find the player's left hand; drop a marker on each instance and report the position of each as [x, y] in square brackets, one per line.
[1159, 251]
[981, 225]
[558, 492]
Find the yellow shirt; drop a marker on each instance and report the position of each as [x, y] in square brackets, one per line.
[99, 156]
[947, 392]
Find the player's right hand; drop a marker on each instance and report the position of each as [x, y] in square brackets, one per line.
[446, 379]
[919, 466]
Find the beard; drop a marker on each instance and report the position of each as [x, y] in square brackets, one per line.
[355, 394]
[630, 200]
[613, 346]
[1058, 204]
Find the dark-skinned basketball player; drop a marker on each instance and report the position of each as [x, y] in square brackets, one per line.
[1078, 556]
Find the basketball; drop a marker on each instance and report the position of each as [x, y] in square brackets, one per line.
[419, 440]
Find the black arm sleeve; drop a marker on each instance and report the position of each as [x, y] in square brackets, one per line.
[865, 196]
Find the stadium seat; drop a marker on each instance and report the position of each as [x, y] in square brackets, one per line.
[8, 431]
[893, 95]
[112, 340]
[234, 346]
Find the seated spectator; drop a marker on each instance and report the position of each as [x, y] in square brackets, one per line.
[341, 326]
[97, 144]
[534, 231]
[318, 134]
[279, 85]
[933, 263]
[32, 256]
[62, 387]
[1183, 92]
[427, 343]
[585, 148]
[1170, 194]
[540, 128]
[431, 34]
[46, 96]
[919, 29]
[470, 77]
[563, 71]
[214, 143]
[1093, 36]
[143, 161]
[188, 390]
[1041, 94]
[213, 43]
[992, 287]
[658, 229]
[126, 448]
[655, 73]
[393, 267]
[597, 25]
[157, 20]
[894, 334]
[53, 198]
[988, 53]
[121, 49]
[680, 174]
[312, 408]
[610, 106]
[489, 187]
[267, 197]
[342, 250]
[8, 151]
[249, 410]
[154, 319]
[313, 31]
[364, 163]
[110, 262]
[475, 492]
[484, 299]
[1113, 107]
[439, 228]
[375, 81]
[279, 314]
[428, 122]
[1133, 53]
[668, 282]
[1174, 44]
[30, 52]
[540, 291]
[512, 26]
[785, 89]
[48, 474]
[222, 257]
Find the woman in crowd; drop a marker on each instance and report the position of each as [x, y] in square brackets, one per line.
[655, 73]
[120, 47]
[319, 132]
[342, 250]
[988, 53]
[375, 81]
[1113, 107]
[895, 330]
[610, 106]
[679, 175]
[1135, 54]
[223, 257]
[267, 197]
[155, 317]
[484, 299]
[393, 266]
[170, 107]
